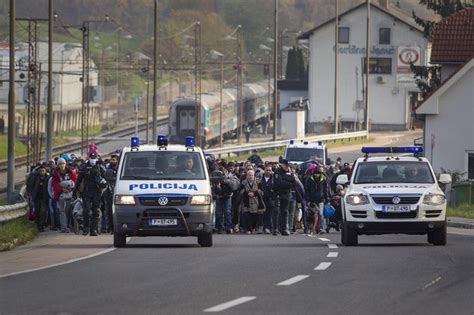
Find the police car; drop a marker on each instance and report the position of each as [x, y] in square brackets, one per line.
[162, 190]
[299, 152]
[394, 193]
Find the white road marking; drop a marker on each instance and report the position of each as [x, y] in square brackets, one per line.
[105, 251]
[293, 280]
[227, 305]
[58, 264]
[324, 239]
[332, 246]
[333, 254]
[426, 286]
[323, 266]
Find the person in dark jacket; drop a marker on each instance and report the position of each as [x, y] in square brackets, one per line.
[266, 186]
[226, 183]
[112, 168]
[90, 184]
[316, 192]
[40, 197]
[283, 182]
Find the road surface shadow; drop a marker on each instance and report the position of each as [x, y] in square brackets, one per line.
[391, 245]
[76, 246]
[163, 246]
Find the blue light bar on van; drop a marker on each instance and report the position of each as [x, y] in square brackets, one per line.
[414, 150]
[189, 141]
[162, 141]
[134, 142]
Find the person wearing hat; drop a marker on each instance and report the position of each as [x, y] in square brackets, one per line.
[90, 185]
[283, 182]
[316, 191]
[63, 182]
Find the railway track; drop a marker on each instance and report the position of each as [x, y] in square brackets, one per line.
[71, 147]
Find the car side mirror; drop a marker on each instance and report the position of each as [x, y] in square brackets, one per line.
[445, 179]
[342, 179]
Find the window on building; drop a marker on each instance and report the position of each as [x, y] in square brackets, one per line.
[470, 166]
[384, 36]
[343, 35]
[379, 65]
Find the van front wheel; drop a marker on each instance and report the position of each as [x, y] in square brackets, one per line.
[119, 240]
[205, 240]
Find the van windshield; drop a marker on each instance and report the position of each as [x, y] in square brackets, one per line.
[164, 165]
[304, 154]
[393, 172]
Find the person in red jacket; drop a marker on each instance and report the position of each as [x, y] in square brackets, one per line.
[64, 180]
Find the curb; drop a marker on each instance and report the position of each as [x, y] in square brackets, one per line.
[460, 225]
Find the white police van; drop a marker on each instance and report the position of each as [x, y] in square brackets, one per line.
[299, 152]
[394, 193]
[162, 190]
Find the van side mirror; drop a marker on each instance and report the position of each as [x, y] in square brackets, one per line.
[445, 179]
[342, 179]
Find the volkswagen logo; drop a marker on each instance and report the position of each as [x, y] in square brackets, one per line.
[396, 200]
[162, 201]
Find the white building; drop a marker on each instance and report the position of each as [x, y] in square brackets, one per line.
[449, 110]
[394, 40]
[67, 84]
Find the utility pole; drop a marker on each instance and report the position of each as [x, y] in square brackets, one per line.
[367, 67]
[275, 72]
[240, 103]
[49, 114]
[85, 88]
[155, 73]
[336, 52]
[197, 81]
[148, 101]
[221, 136]
[11, 108]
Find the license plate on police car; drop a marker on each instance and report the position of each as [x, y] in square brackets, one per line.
[163, 222]
[395, 208]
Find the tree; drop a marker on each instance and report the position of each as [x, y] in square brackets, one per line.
[428, 78]
[295, 68]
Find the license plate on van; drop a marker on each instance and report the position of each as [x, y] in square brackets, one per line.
[396, 208]
[163, 222]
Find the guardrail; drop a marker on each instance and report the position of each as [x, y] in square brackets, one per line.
[283, 143]
[11, 212]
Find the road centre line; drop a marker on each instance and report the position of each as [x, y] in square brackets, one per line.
[293, 280]
[333, 254]
[324, 239]
[426, 286]
[323, 266]
[227, 305]
[332, 246]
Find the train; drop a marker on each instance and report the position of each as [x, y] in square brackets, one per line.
[182, 113]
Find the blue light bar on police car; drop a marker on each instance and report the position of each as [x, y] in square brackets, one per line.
[134, 142]
[190, 141]
[414, 150]
[292, 141]
[162, 141]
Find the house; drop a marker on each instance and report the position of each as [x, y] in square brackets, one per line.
[449, 110]
[395, 40]
[66, 86]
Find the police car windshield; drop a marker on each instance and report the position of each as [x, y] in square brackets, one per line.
[393, 172]
[164, 165]
[303, 154]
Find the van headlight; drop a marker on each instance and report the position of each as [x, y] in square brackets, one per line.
[201, 200]
[124, 200]
[356, 200]
[434, 199]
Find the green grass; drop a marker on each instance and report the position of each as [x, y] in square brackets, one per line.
[3, 200]
[16, 232]
[93, 131]
[464, 210]
[20, 148]
[345, 142]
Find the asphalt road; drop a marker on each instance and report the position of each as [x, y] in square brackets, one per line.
[384, 275]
